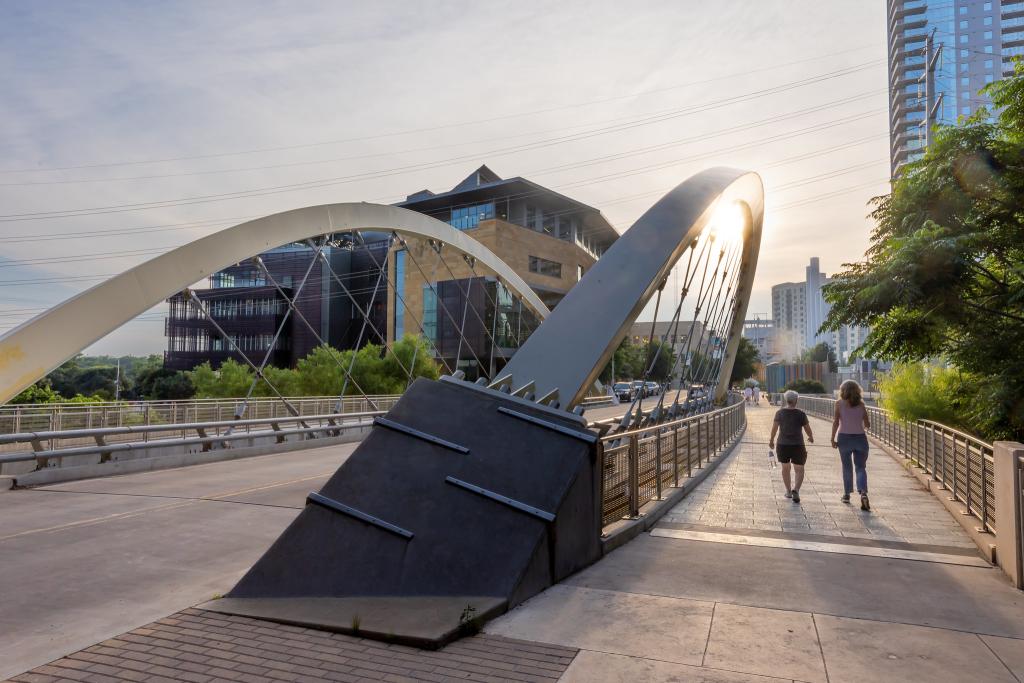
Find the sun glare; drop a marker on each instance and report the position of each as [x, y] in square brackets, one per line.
[730, 222]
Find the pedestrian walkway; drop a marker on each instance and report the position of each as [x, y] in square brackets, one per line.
[738, 584]
[746, 492]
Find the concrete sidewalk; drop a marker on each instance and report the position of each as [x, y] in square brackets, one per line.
[666, 609]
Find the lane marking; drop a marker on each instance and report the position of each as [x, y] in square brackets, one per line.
[159, 508]
[821, 547]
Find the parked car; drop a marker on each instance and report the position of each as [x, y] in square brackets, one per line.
[652, 388]
[638, 389]
[623, 391]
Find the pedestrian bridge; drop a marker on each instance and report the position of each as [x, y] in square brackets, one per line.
[637, 542]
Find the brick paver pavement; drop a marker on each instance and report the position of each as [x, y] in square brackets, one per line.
[744, 492]
[201, 647]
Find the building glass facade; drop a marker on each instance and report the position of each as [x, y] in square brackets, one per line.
[967, 43]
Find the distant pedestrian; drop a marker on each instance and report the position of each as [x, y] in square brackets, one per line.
[747, 393]
[790, 423]
[851, 422]
[757, 395]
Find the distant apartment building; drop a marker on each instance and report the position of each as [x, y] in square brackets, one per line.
[548, 239]
[941, 53]
[685, 344]
[761, 333]
[798, 311]
[789, 316]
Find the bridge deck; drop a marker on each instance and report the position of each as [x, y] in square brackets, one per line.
[659, 608]
[726, 608]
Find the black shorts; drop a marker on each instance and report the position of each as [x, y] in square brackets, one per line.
[795, 454]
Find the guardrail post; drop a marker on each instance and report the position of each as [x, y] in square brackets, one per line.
[689, 450]
[675, 456]
[657, 464]
[634, 476]
[1008, 460]
[700, 451]
[967, 477]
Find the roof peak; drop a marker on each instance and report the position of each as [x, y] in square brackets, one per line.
[480, 176]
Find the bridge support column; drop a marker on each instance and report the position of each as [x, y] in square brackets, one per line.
[1008, 479]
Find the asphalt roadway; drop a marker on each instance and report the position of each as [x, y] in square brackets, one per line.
[84, 561]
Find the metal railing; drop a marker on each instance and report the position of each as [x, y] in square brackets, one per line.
[48, 448]
[961, 463]
[65, 417]
[1019, 491]
[640, 465]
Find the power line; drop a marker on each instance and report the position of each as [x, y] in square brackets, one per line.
[503, 117]
[327, 182]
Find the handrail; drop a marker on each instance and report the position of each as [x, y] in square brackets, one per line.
[638, 465]
[662, 425]
[141, 429]
[959, 462]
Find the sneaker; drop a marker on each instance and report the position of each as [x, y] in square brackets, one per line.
[789, 494]
[796, 496]
[846, 498]
[865, 504]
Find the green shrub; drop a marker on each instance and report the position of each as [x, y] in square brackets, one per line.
[806, 386]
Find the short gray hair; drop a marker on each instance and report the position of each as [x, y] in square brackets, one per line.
[791, 397]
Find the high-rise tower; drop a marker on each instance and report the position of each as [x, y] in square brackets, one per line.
[941, 53]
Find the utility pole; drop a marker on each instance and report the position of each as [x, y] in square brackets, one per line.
[932, 100]
[117, 382]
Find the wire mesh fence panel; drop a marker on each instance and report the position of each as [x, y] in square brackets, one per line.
[647, 463]
[615, 502]
[638, 466]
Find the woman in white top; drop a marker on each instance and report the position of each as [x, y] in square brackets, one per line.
[851, 422]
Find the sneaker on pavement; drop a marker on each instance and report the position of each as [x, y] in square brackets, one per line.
[796, 496]
[789, 494]
[846, 498]
[865, 504]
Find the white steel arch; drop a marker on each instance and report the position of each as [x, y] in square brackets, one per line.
[33, 349]
[596, 314]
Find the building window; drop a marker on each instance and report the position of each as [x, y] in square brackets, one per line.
[987, 6]
[988, 35]
[469, 217]
[963, 67]
[429, 313]
[963, 39]
[988, 78]
[965, 81]
[964, 54]
[531, 217]
[542, 266]
[988, 64]
[579, 273]
[399, 294]
[988, 21]
[963, 24]
[963, 10]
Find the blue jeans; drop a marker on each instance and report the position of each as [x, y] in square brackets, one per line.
[853, 452]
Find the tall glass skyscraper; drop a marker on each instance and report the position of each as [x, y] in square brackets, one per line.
[941, 53]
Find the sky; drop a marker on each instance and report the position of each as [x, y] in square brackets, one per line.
[165, 106]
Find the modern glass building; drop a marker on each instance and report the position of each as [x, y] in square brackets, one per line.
[941, 53]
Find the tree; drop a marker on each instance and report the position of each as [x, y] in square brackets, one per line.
[374, 370]
[820, 353]
[747, 356]
[40, 392]
[944, 274]
[805, 386]
[633, 360]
